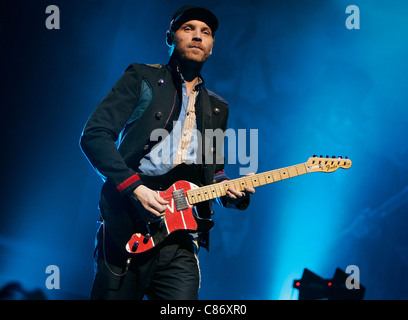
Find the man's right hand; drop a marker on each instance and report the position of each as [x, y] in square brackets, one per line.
[154, 205]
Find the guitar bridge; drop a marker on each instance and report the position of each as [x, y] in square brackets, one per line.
[180, 200]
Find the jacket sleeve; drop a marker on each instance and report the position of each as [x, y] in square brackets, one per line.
[103, 128]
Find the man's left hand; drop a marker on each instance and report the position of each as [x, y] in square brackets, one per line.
[236, 196]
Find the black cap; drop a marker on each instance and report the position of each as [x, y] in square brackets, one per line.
[188, 13]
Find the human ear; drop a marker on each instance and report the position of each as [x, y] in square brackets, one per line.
[169, 38]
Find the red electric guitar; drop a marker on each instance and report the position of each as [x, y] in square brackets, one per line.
[120, 215]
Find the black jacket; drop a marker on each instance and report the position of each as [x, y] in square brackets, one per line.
[117, 135]
[121, 119]
[147, 97]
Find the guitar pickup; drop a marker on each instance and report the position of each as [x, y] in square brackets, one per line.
[180, 200]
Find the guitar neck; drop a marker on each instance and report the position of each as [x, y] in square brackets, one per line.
[220, 189]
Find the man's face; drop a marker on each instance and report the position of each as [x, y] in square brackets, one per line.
[193, 41]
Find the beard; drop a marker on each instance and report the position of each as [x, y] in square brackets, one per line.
[189, 55]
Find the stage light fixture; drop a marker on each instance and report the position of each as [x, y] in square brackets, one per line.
[313, 287]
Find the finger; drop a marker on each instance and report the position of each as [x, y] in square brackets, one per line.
[158, 209]
[231, 195]
[154, 207]
[160, 200]
[249, 189]
[235, 193]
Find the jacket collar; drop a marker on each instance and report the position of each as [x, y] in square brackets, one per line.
[173, 67]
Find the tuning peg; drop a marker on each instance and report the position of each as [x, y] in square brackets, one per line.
[327, 156]
[333, 157]
[314, 156]
[340, 157]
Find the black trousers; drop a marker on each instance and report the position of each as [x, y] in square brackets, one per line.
[170, 272]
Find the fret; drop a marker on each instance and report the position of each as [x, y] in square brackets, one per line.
[205, 193]
[235, 184]
[213, 191]
[219, 192]
[262, 179]
[225, 186]
[301, 168]
[199, 195]
[292, 171]
[284, 173]
[268, 177]
[254, 179]
[275, 175]
[242, 183]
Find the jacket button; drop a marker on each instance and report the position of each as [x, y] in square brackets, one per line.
[216, 111]
[158, 115]
[160, 82]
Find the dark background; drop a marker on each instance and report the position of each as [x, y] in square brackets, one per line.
[289, 69]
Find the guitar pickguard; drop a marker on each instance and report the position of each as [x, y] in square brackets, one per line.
[179, 216]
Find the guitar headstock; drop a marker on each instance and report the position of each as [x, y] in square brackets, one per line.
[321, 164]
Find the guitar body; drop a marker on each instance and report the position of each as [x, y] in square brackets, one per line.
[130, 233]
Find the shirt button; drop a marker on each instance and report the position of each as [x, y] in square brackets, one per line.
[158, 115]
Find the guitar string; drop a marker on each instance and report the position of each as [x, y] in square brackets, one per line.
[219, 188]
[209, 190]
[254, 181]
[267, 177]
